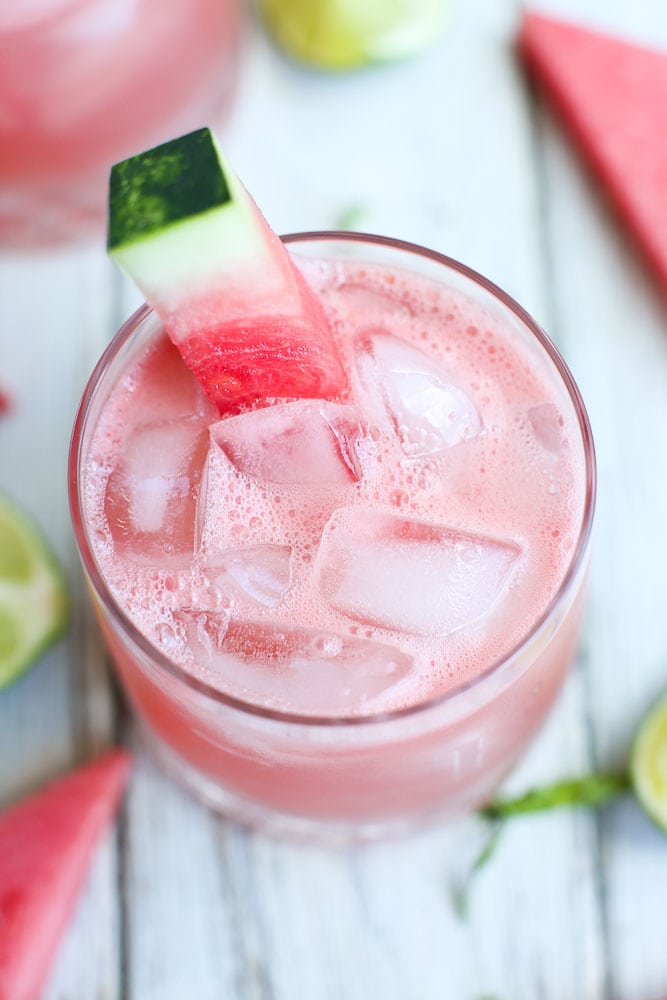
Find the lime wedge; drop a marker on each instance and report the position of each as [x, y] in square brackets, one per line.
[648, 764]
[342, 34]
[33, 598]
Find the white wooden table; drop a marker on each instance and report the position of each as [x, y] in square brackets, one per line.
[455, 151]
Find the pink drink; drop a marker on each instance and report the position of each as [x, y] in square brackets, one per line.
[84, 83]
[352, 612]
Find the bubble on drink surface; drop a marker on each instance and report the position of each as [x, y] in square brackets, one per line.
[166, 636]
[259, 573]
[151, 494]
[307, 669]
[546, 423]
[359, 299]
[427, 410]
[195, 591]
[411, 576]
[306, 442]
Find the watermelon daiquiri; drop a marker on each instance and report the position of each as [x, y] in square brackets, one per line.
[342, 583]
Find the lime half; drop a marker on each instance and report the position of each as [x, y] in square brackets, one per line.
[33, 598]
[342, 34]
[649, 764]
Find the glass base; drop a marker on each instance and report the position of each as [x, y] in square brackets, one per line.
[324, 832]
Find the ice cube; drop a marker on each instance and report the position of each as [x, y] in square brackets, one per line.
[546, 423]
[262, 573]
[202, 632]
[191, 590]
[309, 441]
[166, 389]
[428, 411]
[419, 578]
[151, 495]
[307, 669]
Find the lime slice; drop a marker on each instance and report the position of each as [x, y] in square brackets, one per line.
[33, 599]
[649, 764]
[342, 34]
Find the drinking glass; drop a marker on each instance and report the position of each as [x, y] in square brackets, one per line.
[345, 778]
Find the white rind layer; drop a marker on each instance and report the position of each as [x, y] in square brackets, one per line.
[227, 253]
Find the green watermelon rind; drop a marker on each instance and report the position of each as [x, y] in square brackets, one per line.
[175, 229]
[164, 186]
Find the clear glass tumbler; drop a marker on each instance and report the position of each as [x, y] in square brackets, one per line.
[85, 83]
[341, 778]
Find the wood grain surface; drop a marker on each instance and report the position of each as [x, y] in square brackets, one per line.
[457, 151]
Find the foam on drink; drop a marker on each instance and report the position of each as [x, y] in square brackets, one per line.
[350, 555]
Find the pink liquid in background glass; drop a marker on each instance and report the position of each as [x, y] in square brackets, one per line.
[349, 558]
[85, 83]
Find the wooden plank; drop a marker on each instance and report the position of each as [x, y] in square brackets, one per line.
[434, 150]
[179, 929]
[611, 319]
[613, 324]
[54, 317]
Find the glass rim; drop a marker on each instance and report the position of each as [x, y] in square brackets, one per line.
[496, 667]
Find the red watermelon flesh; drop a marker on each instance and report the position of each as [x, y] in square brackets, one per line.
[46, 845]
[613, 96]
[5, 403]
[245, 357]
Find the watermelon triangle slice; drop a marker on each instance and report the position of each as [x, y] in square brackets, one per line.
[46, 845]
[613, 97]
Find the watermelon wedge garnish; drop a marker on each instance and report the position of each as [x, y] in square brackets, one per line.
[184, 228]
[46, 845]
[612, 95]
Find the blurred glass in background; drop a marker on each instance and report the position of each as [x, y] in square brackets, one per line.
[85, 83]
